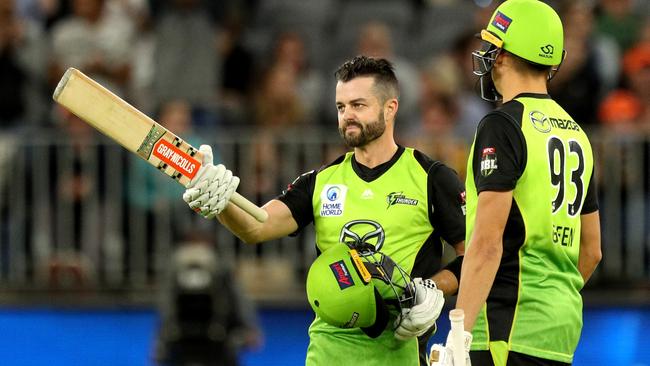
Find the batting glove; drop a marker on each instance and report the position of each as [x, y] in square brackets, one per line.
[415, 321]
[210, 190]
[443, 355]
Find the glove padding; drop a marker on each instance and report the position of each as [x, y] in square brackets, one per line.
[444, 355]
[415, 321]
[210, 190]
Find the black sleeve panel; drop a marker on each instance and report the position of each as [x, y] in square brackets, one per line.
[298, 197]
[500, 149]
[455, 266]
[447, 194]
[591, 199]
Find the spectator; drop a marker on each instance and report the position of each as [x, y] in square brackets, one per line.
[625, 116]
[96, 41]
[618, 19]
[37, 10]
[627, 110]
[439, 80]
[471, 107]
[186, 57]
[375, 40]
[581, 84]
[44, 12]
[77, 167]
[142, 55]
[278, 102]
[290, 53]
[205, 317]
[436, 134]
[440, 85]
[236, 71]
[21, 69]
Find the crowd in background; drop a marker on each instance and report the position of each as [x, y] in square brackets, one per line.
[202, 67]
[269, 63]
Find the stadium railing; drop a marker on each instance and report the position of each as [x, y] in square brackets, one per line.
[85, 216]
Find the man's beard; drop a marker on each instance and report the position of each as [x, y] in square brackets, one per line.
[367, 133]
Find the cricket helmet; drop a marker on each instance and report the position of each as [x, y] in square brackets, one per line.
[356, 287]
[529, 29]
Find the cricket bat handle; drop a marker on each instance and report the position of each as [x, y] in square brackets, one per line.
[457, 319]
[252, 209]
[242, 202]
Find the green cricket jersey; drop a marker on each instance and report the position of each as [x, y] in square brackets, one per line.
[405, 208]
[532, 147]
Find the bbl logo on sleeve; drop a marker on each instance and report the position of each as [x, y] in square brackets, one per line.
[332, 199]
[488, 161]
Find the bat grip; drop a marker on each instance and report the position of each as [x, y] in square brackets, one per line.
[240, 201]
[457, 319]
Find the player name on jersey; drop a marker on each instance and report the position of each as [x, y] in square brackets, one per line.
[563, 235]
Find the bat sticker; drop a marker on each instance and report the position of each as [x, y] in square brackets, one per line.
[176, 158]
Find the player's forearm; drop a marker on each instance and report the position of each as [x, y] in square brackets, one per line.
[241, 224]
[278, 224]
[446, 282]
[587, 264]
[479, 270]
[588, 260]
[447, 278]
[590, 247]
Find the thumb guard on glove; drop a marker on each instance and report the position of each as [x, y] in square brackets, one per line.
[206, 161]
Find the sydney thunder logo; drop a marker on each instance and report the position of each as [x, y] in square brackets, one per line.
[397, 198]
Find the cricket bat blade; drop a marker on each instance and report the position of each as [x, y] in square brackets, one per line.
[135, 131]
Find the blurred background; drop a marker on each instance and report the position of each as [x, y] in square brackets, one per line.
[102, 263]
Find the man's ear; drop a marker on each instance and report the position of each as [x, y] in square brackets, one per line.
[390, 109]
[501, 58]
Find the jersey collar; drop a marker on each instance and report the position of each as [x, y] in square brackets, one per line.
[370, 174]
[532, 95]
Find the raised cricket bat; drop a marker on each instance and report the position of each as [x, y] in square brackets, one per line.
[138, 133]
[457, 319]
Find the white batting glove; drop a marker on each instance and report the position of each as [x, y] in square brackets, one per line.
[415, 321]
[210, 190]
[443, 355]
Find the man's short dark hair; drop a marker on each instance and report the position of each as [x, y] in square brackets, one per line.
[378, 68]
[526, 66]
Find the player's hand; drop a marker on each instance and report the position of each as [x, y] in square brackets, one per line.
[210, 190]
[415, 321]
[443, 355]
